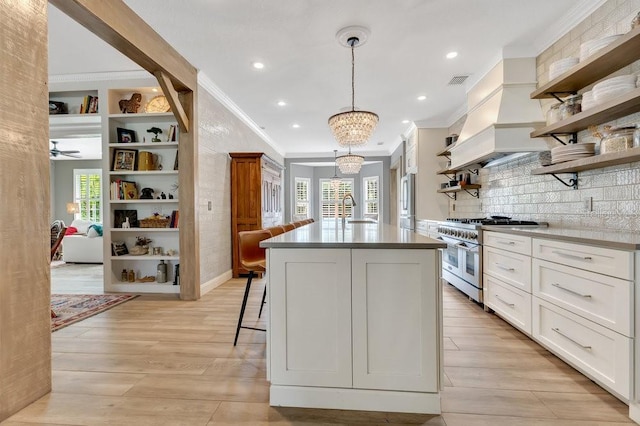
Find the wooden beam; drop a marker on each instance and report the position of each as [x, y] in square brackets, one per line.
[114, 22]
[174, 100]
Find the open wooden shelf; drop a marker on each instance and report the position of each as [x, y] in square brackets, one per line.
[605, 61]
[444, 153]
[621, 106]
[458, 188]
[589, 163]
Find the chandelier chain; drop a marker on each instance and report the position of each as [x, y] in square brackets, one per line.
[353, 78]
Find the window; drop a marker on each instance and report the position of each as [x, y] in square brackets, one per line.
[302, 202]
[331, 200]
[371, 197]
[87, 192]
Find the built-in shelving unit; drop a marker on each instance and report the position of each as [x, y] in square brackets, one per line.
[159, 174]
[611, 58]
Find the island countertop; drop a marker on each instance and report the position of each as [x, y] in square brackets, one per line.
[331, 234]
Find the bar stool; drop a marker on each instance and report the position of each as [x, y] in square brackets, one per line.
[253, 259]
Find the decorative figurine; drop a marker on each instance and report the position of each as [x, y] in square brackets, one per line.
[130, 106]
[155, 131]
[163, 196]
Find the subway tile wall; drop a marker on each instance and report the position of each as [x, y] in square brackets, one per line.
[613, 193]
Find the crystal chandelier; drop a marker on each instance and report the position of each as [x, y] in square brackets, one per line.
[350, 164]
[353, 127]
[335, 180]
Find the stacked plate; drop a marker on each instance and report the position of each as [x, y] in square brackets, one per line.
[588, 101]
[614, 87]
[590, 47]
[560, 154]
[560, 67]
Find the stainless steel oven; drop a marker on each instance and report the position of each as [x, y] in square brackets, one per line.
[461, 265]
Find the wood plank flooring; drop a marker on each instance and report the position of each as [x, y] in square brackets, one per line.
[157, 360]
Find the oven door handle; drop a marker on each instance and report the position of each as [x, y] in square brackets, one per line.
[469, 249]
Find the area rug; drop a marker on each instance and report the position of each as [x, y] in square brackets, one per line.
[71, 308]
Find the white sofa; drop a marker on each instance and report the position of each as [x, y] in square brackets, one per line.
[80, 247]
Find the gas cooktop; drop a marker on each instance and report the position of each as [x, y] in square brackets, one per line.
[493, 220]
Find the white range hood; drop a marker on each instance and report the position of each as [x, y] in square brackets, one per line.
[500, 115]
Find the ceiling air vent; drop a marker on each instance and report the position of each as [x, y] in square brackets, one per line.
[457, 79]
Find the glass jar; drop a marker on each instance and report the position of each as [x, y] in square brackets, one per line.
[617, 139]
[571, 106]
[553, 115]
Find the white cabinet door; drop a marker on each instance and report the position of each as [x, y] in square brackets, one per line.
[510, 303]
[598, 352]
[511, 268]
[310, 316]
[395, 321]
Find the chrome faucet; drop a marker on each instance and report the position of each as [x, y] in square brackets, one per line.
[353, 204]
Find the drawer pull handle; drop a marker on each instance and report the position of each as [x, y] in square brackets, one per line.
[557, 330]
[568, 290]
[509, 243]
[506, 268]
[571, 256]
[511, 305]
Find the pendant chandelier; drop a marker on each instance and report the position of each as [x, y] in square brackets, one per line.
[350, 164]
[352, 127]
[335, 180]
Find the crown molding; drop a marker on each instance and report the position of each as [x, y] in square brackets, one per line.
[99, 76]
[580, 11]
[207, 84]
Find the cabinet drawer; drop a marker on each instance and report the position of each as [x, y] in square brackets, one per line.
[511, 304]
[616, 263]
[601, 354]
[605, 300]
[514, 243]
[512, 268]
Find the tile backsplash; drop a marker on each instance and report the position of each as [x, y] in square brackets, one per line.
[606, 198]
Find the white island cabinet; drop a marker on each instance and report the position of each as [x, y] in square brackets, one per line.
[354, 318]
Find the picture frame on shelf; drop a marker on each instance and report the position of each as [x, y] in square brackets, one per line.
[119, 248]
[121, 216]
[125, 159]
[126, 135]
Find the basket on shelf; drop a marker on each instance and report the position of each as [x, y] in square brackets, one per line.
[154, 223]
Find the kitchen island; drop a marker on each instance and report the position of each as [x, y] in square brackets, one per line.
[355, 318]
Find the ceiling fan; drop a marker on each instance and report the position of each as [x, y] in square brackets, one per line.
[55, 151]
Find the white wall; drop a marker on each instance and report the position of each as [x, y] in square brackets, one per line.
[62, 185]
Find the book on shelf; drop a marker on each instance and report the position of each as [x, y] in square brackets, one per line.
[172, 133]
[175, 215]
[89, 105]
[123, 190]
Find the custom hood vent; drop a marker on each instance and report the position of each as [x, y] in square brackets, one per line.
[500, 115]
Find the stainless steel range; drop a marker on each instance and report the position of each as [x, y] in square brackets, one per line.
[462, 259]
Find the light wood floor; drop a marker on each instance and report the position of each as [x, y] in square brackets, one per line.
[160, 361]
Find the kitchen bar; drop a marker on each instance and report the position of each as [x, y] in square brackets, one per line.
[355, 318]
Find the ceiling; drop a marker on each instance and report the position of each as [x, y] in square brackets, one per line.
[305, 66]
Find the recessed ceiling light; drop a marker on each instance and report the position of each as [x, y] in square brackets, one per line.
[258, 65]
[380, 143]
[452, 55]
[155, 89]
[281, 103]
[405, 121]
[422, 97]
[296, 126]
